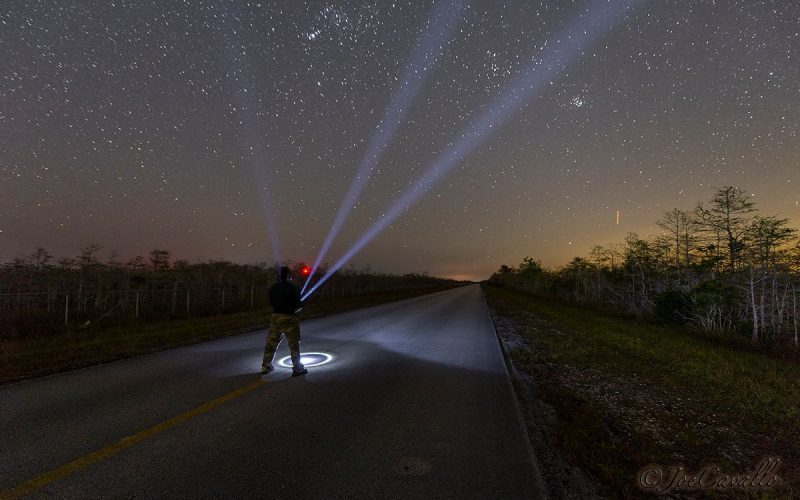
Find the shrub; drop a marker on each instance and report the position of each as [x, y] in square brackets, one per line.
[672, 306]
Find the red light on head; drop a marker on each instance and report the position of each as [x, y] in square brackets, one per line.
[305, 271]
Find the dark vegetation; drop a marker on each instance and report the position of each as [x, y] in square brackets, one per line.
[679, 348]
[721, 268]
[74, 312]
[41, 297]
[627, 393]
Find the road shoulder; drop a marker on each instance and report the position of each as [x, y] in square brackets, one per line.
[560, 479]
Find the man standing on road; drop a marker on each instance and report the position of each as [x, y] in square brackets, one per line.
[284, 298]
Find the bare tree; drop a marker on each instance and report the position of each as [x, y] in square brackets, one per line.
[681, 229]
[40, 259]
[86, 261]
[159, 259]
[727, 216]
[609, 255]
[768, 286]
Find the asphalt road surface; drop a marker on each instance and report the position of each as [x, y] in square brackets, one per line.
[415, 402]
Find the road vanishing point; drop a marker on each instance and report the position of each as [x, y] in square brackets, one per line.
[415, 402]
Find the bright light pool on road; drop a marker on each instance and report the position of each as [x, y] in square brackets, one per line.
[308, 359]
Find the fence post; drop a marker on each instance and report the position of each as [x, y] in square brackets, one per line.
[252, 289]
[223, 300]
[187, 302]
[136, 314]
[66, 312]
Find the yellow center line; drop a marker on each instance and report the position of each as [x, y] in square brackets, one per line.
[126, 442]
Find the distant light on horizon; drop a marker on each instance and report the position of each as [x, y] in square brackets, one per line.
[464, 277]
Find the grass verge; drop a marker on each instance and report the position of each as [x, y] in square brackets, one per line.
[27, 358]
[629, 393]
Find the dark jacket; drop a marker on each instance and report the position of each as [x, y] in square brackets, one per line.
[284, 298]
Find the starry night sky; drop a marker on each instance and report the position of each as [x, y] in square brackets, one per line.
[141, 124]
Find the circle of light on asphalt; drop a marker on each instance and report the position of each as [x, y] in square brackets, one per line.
[308, 359]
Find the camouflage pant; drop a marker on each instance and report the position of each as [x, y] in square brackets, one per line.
[283, 324]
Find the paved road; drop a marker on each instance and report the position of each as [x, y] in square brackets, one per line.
[415, 403]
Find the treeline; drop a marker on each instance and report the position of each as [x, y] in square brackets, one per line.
[721, 267]
[41, 295]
